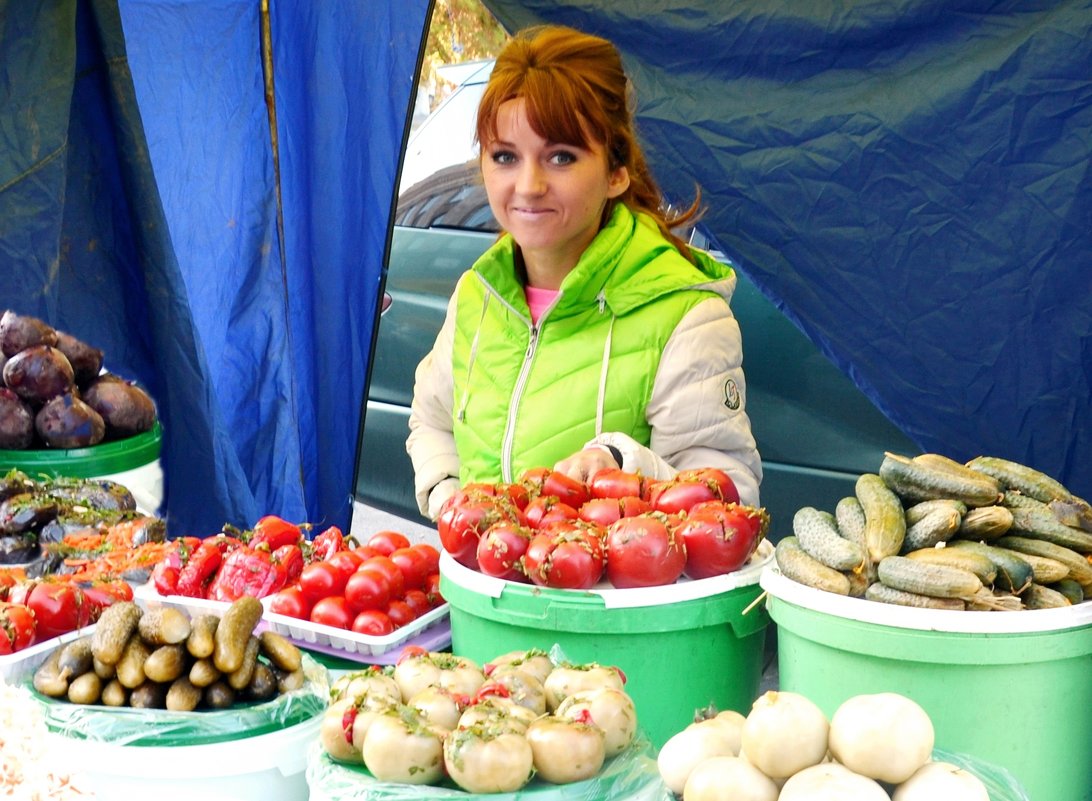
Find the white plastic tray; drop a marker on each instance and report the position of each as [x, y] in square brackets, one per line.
[14, 668]
[1025, 621]
[332, 639]
[305, 634]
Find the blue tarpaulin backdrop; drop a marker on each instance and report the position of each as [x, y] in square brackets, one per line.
[908, 181]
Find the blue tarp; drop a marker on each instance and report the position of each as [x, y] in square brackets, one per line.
[908, 181]
[138, 211]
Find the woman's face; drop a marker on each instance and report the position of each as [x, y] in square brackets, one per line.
[548, 196]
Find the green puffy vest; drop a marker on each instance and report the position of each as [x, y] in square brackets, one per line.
[528, 396]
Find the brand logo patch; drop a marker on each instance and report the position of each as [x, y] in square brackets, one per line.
[731, 395]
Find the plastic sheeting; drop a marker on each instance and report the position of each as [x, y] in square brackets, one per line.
[138, 211]
[908, 181]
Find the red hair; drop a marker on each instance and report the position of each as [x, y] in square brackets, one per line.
[574, 88]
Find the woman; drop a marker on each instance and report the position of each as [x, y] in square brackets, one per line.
[588, 336]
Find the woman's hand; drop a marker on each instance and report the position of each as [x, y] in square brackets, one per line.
[584, 464]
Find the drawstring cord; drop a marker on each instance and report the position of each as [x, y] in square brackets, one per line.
[471, 360]
[601, 400]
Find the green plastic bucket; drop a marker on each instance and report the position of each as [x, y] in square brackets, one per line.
[682, 647]
[1011, 688]
[132, 462]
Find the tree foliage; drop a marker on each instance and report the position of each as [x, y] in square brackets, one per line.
[460, 30]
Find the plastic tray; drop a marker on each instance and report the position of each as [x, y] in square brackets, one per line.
[17, 666]
[349, 645]
[431, 631]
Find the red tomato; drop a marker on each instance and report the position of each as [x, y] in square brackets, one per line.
[678, 496]
[605, 511]
[418, 601]
[547, 509]
[643, 551]
[533, 479]
[460, 525]
[726, 488]
[613, 482]
[320, 580]
[414, 567]
[501, 549]
[567, 489]
[346, 562]
[720, 537]
[366, 552]
[515, 492]
[400, 613]
[432, 590]
[368, 589]
[567, 554]
[430, 555]
[373, 623]
[386, 542]
[58, 607]
[17, 627]
[395, 580]
[332, 611]
[290, 602]
[100, 594]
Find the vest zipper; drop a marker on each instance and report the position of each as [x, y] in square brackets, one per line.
[513, 406]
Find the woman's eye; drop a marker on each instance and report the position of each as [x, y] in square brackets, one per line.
[563, 157]
[503, 157]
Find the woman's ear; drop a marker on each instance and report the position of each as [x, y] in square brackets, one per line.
[617, 182]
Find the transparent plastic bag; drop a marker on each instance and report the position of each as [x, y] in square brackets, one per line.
[159, 727]
[632, 775]
[1000, 784]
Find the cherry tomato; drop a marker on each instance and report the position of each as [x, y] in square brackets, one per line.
[414, 567]
[320, 580]
[386, 542]
[366, 552]
[400, 613]
[613, 482]
[644, 551]
[418, 601]
[332, 611]
[290, 602]
[432, 590]
[372, 623]
[368, 589]
[395, 580]
[430, 554]
[346, 562]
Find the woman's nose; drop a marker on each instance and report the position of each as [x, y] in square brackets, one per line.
[531, 180]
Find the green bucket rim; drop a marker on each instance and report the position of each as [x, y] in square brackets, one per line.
[586, 612]
[105, 458]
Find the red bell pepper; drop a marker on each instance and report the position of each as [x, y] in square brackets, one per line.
[275, 532]
[291, 558]
[247, 571]
[198, 571]
[166, 571]
[327, 544]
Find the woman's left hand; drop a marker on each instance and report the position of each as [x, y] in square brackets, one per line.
[584, 464]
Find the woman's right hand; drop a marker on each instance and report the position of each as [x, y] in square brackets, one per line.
[584, 464]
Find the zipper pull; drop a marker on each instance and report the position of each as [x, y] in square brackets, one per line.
[602, 299]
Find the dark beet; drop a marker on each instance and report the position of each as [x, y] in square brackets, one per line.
[86, 361]
[125, 408]
[39, 373]
[68, 422]
[19, 332]
[16, 422]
